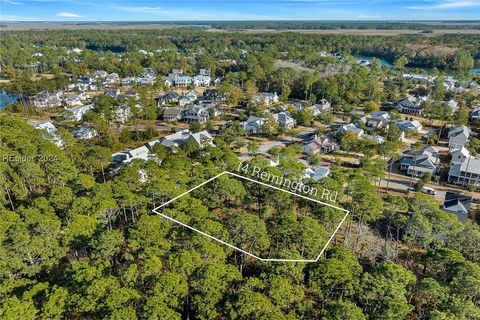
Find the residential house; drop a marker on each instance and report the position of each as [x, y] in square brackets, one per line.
[76, 114]
[419, 163]
[465, 173]
[73, 100]
[172, 114]
[457, 204]
[112, 92]
[51, 133]
[48, 100]
[126, 156]
[475, 115]
[409, 105]
[182, 137]
[320, 107]
[122, 114]
[316, 145]
[409, 125]
[353, 129]
[202, 81]
[377, 120]
[458, 136]
[168, 98]
[319, 173]
[452, 104]
[284, 120]
[195, 113]
[188, 98]
[267, 98]
[205, 72]
[202, 138]
[459, 155]
[254, 125]
[85, 133]
[100, 74]
[112, 78]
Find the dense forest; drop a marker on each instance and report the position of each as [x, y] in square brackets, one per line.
[17, 48]
[78, 243]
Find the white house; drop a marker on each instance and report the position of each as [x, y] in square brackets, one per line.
[419, 163]
[458, 136]
[253, 125]
[195, 113]
[353, 129]
[126, 156]
[318, 145]
[76, 114]
[202, 81]
[409, 125]
[51, 133]
[409, 105]
[465, 173]
[321, 106]
[73, 100]
[267, 98]
[85, 133]
[319, 173]
[284, 119]
[459, 155]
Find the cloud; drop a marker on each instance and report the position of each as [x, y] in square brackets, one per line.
[69, 15]
[448, 4]
[10, 2]
[154, 10]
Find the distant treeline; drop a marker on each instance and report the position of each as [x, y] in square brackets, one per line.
[328, 25]
[293, 25]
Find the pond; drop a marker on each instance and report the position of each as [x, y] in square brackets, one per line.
[5, 97]
[383, 62]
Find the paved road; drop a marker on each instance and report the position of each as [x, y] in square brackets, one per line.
[403, 186]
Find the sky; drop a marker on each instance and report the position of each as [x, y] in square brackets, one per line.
[178, 10]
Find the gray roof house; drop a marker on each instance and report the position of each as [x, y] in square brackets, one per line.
[409, 105]
[172, 114]
[475, 115]
[48, 100]
[457, 204]
[195, 113]
[376, 120]
[182, 137]
[318, 145]
[407, 125]
[284, 119]
[419, 163]
[76, 114]
[353, 129]
[267, 98]
[170, 97]
[458, 136]
[321, 106]
[459, 155]
[85, 133]
[465, 173]
[253, 125]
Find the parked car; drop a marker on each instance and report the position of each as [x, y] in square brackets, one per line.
[428, 190]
